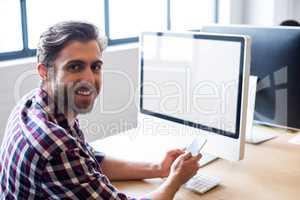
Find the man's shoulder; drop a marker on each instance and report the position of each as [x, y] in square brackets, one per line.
[50, 139]
[42, 134]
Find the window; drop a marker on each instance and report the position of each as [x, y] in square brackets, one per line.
[11, 28]
[22, 21]
[44, 13]
[191, 14]
[128, 18]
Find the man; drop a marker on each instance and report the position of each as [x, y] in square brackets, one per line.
[44, 154]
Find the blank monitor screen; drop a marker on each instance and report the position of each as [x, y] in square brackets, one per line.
[193, 79]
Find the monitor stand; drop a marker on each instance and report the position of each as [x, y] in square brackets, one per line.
[254, 136]
[207, 159]
[259, 136]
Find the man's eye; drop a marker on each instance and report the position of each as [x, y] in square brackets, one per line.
[96, 67]
[74, 67]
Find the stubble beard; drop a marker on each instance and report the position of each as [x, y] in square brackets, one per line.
[65, 98]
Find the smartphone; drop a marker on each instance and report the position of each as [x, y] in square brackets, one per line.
[196, 145]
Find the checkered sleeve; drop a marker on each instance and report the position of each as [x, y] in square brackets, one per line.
[72, 174]
[98, 155]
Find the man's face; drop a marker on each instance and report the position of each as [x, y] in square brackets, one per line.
[76, 77]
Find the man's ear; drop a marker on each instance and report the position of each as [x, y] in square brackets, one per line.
[43, 71]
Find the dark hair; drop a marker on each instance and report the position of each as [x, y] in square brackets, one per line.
[290, 22]
[55, 38]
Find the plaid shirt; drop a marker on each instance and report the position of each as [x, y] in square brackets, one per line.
[42, 157]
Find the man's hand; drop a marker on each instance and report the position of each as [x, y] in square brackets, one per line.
[184, 168]
[170, 157]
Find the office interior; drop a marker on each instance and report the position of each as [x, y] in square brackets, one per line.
[117, 107]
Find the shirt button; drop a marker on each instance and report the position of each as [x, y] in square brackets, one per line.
[28, 103]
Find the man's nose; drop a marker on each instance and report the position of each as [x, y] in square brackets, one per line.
[88, 75]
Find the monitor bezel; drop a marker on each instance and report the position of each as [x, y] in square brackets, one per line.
[194, 35]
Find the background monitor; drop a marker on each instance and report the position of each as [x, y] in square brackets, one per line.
[275, 60]
[200, 81]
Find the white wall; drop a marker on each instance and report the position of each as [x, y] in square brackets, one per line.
[258, 12]
[115, 109]
[231, 11]
[296, 9]
[283, 9]
[270, 12]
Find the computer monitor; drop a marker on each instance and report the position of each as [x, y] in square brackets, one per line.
[198, 81]
[275, 60]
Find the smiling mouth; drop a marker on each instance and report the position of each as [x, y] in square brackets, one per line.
[84, 91]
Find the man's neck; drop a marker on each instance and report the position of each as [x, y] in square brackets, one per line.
[70, 115]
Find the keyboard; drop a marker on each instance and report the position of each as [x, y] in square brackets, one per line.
[202, 183]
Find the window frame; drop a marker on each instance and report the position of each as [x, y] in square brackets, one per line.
[27, 52]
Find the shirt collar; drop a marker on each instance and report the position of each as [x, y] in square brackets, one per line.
[54, 114]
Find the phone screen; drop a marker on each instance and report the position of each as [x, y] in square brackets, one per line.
[197, 144]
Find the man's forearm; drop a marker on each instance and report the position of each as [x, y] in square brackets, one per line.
[122, 170]
[166, 191]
